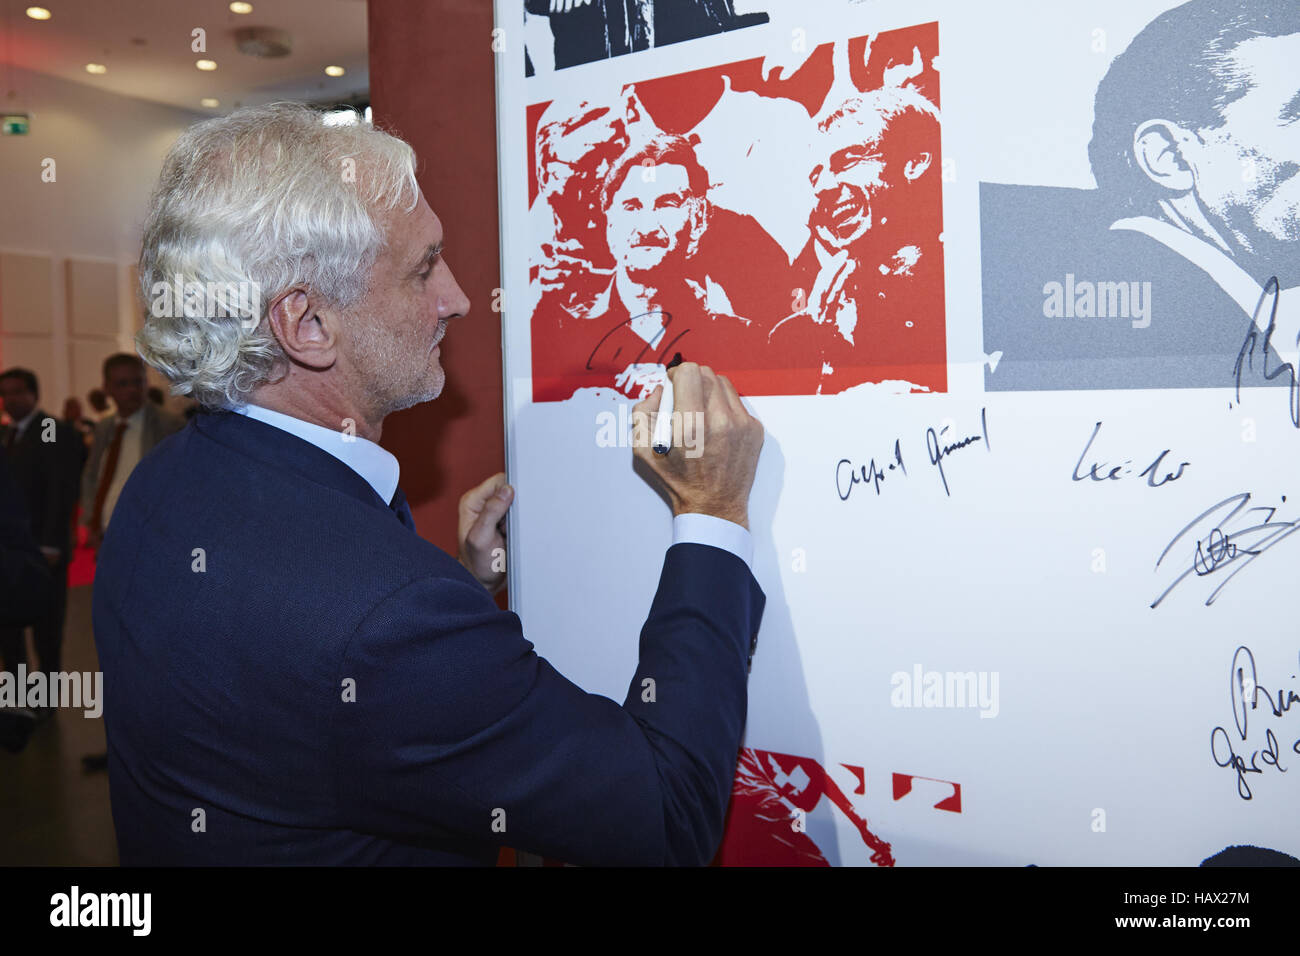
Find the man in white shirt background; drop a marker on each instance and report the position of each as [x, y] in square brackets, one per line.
[121, 440]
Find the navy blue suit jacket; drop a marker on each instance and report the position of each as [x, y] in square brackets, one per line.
[282, 654]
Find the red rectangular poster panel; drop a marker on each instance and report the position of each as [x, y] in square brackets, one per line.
[784, 229]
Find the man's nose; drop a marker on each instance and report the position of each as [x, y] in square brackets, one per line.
[452, 301]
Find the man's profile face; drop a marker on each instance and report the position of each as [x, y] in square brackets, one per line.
[648, 222]
[1248, 170]
[125, 385]
[861, 159]
[393, 334]
[17, 398]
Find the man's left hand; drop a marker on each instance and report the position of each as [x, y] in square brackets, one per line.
[481, 531]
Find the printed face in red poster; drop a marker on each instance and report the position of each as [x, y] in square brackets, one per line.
[780, 222]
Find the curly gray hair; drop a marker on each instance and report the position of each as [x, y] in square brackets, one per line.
[265, 199]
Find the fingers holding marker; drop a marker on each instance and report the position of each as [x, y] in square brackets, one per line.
[688, 388]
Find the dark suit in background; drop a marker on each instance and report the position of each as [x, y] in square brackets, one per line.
[46, 474]
[25, 591]
[25, 585]
[294, 676]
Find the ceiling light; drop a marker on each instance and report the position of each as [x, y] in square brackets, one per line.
[38, 13]
[334, 71]
[209, 102]
[206, 65]
[96, 68]
[238, 7]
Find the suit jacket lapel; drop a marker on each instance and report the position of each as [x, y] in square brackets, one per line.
[28, 441]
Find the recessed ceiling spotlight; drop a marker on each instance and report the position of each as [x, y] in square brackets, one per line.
[206, 65]
[96, 68]
[38, 13]
[334, 71]
[238, 7]
[209, 103]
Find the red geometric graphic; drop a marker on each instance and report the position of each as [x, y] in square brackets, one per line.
[770, 800]
[903, 786]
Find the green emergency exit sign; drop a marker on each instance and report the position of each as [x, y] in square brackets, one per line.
[16, 124]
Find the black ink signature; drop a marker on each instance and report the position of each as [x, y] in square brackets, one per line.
[868, 474]
[939, 452]
[1245, 357]
[1098, 470]
[664, 353]
[1269, 754]
[1219, 544]
[1244, 693]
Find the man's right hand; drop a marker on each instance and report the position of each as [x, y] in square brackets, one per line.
[712, 476]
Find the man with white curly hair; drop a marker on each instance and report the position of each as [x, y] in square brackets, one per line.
[292, 674]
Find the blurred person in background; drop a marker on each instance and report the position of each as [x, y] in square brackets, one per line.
[26, 588]
[44, 457]
[120, 441]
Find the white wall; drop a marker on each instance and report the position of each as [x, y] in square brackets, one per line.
[81, 232]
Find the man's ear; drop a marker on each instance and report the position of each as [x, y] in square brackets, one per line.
[1158, 151]
[915, 167]
[307, 334]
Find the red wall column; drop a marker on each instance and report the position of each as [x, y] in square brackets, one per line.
[432, 83]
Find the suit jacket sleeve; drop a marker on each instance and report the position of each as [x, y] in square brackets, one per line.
[458, 727]
[60, 464]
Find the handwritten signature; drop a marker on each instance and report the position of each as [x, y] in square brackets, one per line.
[1104, 471]
[868, 474]
[640, 357]
[939, 452]
[1246, 356]
[1228, 535]
[849, 475]
[1245, 694]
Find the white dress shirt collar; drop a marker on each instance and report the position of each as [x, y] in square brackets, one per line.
[377, 466]
[20, 426]
[1227, 274]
